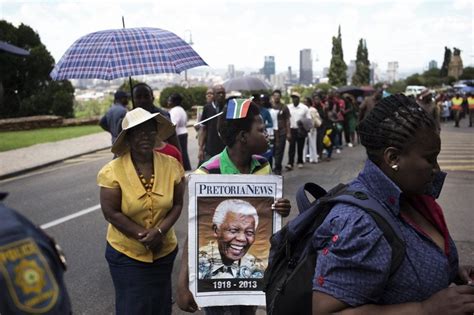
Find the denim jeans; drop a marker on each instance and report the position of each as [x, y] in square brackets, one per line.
[141, 288]
[279, 150]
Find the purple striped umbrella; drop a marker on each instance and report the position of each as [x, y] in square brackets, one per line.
[126, 52]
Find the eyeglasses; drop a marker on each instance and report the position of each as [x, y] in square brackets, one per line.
[209, 93]
[220, 92]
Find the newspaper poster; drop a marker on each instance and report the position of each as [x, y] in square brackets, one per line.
[230, 225]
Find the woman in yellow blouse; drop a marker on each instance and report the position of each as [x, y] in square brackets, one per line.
[141, 194]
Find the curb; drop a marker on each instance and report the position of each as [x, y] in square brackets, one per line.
[59, 160]
[46, 164]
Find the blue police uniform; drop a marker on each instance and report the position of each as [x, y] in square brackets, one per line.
[31, 268]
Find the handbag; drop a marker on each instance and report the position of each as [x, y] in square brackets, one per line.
[317, 122]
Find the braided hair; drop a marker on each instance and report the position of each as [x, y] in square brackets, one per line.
[393, 122]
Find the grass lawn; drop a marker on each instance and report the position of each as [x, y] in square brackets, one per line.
[10, 140]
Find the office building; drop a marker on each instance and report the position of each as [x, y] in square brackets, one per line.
[268, 67]
[432, 65]
[351, 69]
[230, 72]
[392, 71]
[375, 76]
[306, 67]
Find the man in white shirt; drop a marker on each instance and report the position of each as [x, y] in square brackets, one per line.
[298, 112]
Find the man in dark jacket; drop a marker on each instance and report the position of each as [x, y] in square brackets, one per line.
[112, 120]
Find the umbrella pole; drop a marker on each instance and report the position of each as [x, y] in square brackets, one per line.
[131, 91]
[129, 78]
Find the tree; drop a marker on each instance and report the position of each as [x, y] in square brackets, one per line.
[397, 87]
[126, 85]
[28, 88]
[446, 60]
[467, 74]
[324, 87]
[187, 99]
[362, 73]
[337, 68]
[415, 79]
[198, 94]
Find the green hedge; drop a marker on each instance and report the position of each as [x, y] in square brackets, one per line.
[191, 96]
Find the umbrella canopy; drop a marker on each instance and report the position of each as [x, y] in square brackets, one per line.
[246, 83]
[4, 46]
[353, 90]
[120, 53]
[467, 89]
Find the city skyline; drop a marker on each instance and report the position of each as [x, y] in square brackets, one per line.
[242, 33]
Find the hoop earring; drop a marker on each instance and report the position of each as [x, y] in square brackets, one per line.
[395, 167]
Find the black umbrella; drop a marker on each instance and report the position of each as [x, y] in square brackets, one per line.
[4, 46]
[353, 90]
[246, 83]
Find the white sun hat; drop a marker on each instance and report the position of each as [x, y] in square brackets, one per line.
[136, 117]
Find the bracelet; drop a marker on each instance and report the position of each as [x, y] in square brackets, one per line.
[160, 231]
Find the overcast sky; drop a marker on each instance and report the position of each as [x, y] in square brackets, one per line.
[242, 32]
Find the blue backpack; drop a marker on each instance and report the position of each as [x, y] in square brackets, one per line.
[292, 260]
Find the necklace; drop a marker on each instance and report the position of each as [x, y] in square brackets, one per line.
[147, 185]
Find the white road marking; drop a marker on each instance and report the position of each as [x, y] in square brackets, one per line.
[70, 217]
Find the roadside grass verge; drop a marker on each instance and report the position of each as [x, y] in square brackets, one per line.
[10, 140]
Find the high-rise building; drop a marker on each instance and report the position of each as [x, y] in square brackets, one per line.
[278, 81]
[268, 67]
[290, 76]
[230, 71]
[325, 72]
[374, 73]
[392, 71]
[351, 69]
[306, 67]
[432, 65]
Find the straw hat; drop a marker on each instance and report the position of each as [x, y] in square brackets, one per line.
[136, 117]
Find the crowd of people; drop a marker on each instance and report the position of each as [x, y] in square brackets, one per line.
[452, 106]
[315, 127]
[142, 195]
[401, 167]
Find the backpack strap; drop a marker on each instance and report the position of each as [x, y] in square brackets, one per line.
[312, 212]
[382, 218]
[302, 200]
[317, 192]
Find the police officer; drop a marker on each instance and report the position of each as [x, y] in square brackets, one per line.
[31, 268]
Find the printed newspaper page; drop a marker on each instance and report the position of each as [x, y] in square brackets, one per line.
[230, 225]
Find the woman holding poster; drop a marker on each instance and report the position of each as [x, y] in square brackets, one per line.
[232, 232]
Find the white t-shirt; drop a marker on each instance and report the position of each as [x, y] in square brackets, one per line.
[274, 115]
[180, 119]
[298, 112]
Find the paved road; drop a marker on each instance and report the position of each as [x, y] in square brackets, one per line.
[69, 187]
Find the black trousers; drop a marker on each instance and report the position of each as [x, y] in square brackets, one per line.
[319, 141]
[183, 142]
[296, 144]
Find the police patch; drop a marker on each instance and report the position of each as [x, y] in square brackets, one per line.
[29, 279]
